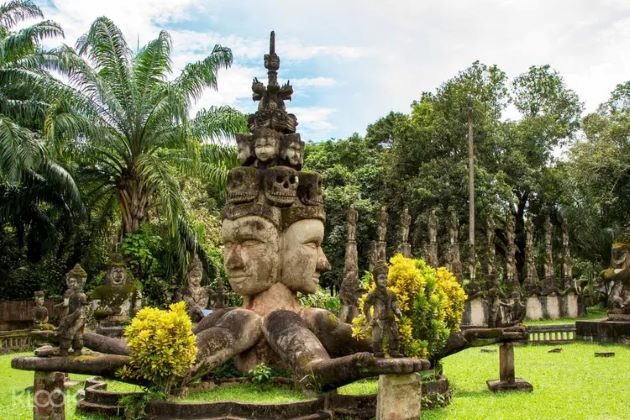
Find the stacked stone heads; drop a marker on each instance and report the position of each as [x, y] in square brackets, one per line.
[269, 182]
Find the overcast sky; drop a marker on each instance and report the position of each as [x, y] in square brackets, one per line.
[352, 62]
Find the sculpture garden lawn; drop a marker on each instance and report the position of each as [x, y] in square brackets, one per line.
[572, 384]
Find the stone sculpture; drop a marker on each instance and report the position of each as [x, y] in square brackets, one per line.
[195, 295]
[405, 223]
[372, 256]
[490, 271]
[349, 290]
[73, 308]
[567, 262]
[454, 258]
[511, 271]
[530, 283]
[549, 284]
[617, 279]
[40, 312]
[117, 299]
[432, 254]
[383, 320]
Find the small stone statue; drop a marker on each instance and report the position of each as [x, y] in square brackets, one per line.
[530, 283]
[72, 320]
[353, 216]
[549, 280]
[432, 225]
[405, 223]
[511, 271]
[567, 262]
[349, 290]
[386, 311]
[118, 297]
[617, 279]
[40, 312]
[195, 295]
[454, 257]
[382, 219]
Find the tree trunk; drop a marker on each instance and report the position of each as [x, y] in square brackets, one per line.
[133, 197]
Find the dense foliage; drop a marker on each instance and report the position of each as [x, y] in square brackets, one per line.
[431, 301]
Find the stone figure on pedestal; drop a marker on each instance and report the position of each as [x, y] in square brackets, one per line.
[349, 290]
[40, 312]
[405, 223]
[73, 308]
[195, 295]
[617, 279]
[530, 283]
[383, 320]
[432, 255]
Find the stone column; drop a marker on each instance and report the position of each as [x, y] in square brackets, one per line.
[455, 262]
[507, 380]
[405, 222]
[490, 271]
[549, 285]
[511, 272]
[399, 397]
[432, 252]
[349, 286]
[48, 396]
[530, 283]
[567, 262]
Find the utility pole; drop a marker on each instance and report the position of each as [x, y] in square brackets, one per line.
[471, 195]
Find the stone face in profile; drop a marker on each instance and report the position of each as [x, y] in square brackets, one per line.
[246, 155]
[302, 256]
[251, 254]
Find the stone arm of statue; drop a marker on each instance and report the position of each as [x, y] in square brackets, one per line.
[367, 306]
[289, 336]
[335, 335]
[395, 308]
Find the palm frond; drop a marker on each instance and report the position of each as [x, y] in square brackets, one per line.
[203, 74]
[16, 11]
[26, 40]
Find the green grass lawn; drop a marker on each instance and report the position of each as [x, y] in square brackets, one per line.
[572, 385]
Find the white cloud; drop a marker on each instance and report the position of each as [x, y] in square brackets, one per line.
[313, 122]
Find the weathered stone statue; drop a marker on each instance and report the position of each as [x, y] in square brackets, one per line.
[373, 256]
[617, 279]
[511, 271]
[432, 254]
[383, 320]
[504, 312]
[73, 308]
[195, 295]
[530, 283]
[454, 258]
[381, 229]
[549, 285]
[40, 312]
[567, 261]
[491, 274]
[405, 223]
[349, 290]
[117, 299]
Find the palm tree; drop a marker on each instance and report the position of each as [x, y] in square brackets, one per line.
[130, 124]
[33, 187]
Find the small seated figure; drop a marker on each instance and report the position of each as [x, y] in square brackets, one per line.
[73, 307]
[385, 313]
[40, 312]
[195, 295]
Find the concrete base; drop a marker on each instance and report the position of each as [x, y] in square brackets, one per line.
[534, 308]
[48, 396]
[398, 397]
[603, 331]
[518, 384]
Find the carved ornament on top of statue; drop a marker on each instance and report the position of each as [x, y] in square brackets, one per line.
[567, 261]
[549, 281]
[511, 271]
[530, 283]
[195, 295]
[617, 278]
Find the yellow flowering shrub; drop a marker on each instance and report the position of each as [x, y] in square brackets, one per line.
[162, 345]
[431, 301]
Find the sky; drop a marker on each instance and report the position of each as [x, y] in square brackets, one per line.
[352, 62]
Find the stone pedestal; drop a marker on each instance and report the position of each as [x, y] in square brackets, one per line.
[605, 331]
[570, 305]
[507, 381]
[534, 308]
[475, 313]
[552, 306]
[398, 397]
[48, 397]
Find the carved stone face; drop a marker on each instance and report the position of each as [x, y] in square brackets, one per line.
[293, 150]
[620, 258]
[281, 185]
[116, 276]
[251, 254]
[244, 149]
[302, 256]
[74, 282]
[310, 189]
[266, 148]
[39, 300]
[242, 185]
[381, 280]
[194, 278]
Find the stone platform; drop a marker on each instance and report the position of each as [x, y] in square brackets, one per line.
[603, 331]
[517, 384]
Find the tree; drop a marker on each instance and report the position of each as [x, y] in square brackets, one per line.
[129, 125]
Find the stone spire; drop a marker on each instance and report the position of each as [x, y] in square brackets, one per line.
[549, 284]
[530, 282]
[405, 222]
[454, 263]
[490, 271]
[432, 251]
[511, 271]
[567, 261]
